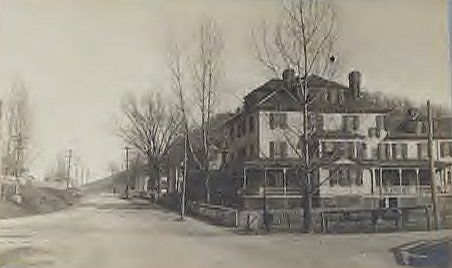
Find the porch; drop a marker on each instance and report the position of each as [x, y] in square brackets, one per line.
[272, 182]
[409, 181]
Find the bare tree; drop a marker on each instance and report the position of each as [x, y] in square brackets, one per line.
[205, 73]
[304, 41]
[113, 168]
[58, 172]
[151, 128]
[18, 125]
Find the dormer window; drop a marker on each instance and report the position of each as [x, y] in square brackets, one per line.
[332, 96]
[341, 97]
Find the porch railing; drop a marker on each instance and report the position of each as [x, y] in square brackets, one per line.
[405, 190]
[280, 191]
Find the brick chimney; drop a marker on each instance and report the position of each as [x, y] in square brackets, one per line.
[354, 83]
[288, 77]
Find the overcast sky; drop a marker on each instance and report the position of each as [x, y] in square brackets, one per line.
[79, 58]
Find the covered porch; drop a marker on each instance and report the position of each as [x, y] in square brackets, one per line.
[409, 178]
[272, 179]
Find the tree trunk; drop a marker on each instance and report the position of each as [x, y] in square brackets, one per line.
[307, 204]
[207, 186]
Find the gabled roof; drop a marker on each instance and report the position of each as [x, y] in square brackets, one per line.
[276, 94]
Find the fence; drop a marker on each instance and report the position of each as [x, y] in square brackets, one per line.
[220, 215]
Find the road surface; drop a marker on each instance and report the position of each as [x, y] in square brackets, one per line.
[104, 231]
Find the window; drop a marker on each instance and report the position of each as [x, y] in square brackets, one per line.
[404, 150]
[387, 151]
[251, 124]
[278, 149]
[361, 150]
[282, 120]
[377, 177]
[359, 178]
[380, 122]
[272, 120]
[350, 123]
[355, 119]
[231, 132]
[341, 97]
[344, 178]
[350, 150]
[278, 120]
[355, 176]
[283, 149]
[446, 149]
[333, 178]
[394, 151]
[422, 151]
[272, 149]
[332, 96]
[328, 146]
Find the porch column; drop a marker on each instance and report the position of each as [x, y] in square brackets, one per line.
[417, 180]
[400, 179]
[372, 182]
[285, 188]
[244, 178]
[381, 180]
[320, 148]
[284, 181]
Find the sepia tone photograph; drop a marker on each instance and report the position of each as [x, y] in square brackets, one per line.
[225, 133]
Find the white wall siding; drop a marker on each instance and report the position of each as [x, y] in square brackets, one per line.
[289, 135]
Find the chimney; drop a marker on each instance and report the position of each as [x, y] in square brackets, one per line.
[288, 77]
[354, 83]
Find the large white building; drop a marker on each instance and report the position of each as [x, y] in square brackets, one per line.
[364, 154]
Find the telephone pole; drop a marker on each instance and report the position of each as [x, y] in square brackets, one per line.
[433, 183]
[127, 171]
[69, 158]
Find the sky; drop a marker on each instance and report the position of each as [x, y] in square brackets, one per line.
[79, 58]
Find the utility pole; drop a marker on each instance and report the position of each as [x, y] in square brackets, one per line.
[69, 158]
[184, 179]
[433, 183]
[127, 171]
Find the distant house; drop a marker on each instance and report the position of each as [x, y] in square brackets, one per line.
[196, 188]
[360, 160]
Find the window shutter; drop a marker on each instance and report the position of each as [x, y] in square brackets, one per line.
[350, 123]
[272, 149]
[387, 151]
[272, 120]
[446, 149]
[359, 177]
[355, 122]
[344, 123]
